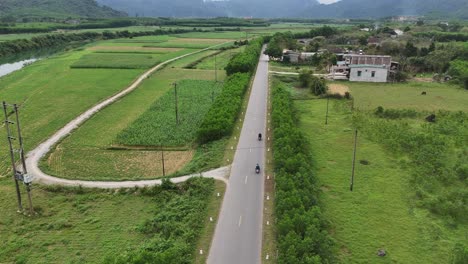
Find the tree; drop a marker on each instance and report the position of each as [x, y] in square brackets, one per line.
[318, 86]
[410, 50]
[274, 50]
[305, 78]
[459, 70]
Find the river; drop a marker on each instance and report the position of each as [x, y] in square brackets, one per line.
[8, 68]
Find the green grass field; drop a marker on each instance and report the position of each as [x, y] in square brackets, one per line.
[47, 93]
[381, 212]
[71, 227]
[369, 96]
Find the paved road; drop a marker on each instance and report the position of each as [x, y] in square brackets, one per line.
[238, 235]
[35, 155]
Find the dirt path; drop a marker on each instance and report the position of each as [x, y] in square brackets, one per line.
[34, 156]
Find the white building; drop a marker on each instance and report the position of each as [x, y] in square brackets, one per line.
[368, 73]
[363, 68]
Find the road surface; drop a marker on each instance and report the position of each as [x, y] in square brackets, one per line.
[35, 155]
[238, 235]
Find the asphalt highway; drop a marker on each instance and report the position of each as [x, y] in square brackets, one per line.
[238, 235]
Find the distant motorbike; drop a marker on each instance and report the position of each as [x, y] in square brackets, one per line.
[259, 136]
[257, 169]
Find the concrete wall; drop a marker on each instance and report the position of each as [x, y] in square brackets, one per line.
[366, 74]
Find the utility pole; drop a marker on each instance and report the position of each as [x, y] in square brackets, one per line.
[326, 115]
[354, 160]
[162, 158]
[18, 175]
[216, 70]
[176, 103]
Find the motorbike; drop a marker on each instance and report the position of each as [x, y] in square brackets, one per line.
[260, 137]
[257, 169]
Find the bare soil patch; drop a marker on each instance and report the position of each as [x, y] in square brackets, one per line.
[337, 89]
[421, 79]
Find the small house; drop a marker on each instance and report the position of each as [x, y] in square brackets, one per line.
[363, 68]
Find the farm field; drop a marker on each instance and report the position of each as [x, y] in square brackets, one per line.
[221, 62]
[98, 137]
[46, 106]
[158, 127]
[383, 212]
[94, 226]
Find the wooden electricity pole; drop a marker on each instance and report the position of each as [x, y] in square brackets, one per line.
[162, 159]
[326, 115]
[176, 103]
[216, 70]
[354, 160]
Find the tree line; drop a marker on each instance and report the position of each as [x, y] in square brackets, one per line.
[220, 119]
[14, 47]
[302, 228]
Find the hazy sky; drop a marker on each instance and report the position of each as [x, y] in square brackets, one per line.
[327, 1]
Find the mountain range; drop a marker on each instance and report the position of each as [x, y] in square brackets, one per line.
[56, 8]
[236, 8]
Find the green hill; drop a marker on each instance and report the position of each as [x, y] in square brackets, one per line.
[56, 9]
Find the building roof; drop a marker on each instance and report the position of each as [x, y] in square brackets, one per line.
[353, 59]
[367, 66]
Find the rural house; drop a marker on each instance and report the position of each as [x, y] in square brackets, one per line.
[363, 68]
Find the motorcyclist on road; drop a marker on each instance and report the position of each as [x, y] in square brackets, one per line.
[257, 168]
[259, 136]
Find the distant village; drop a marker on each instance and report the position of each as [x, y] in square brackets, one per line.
[352, 65]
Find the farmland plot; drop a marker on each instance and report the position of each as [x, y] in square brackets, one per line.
[116, 61]
[158, 125]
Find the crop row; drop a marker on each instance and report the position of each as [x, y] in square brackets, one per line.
[157, 126]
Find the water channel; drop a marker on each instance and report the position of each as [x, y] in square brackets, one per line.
[8, 68]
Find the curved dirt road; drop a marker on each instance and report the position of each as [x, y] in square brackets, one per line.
[34, 156]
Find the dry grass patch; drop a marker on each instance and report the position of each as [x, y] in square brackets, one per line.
[338, 89]
[115, 164]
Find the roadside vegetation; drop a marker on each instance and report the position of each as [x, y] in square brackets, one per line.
[302, 229]
[409, 194]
